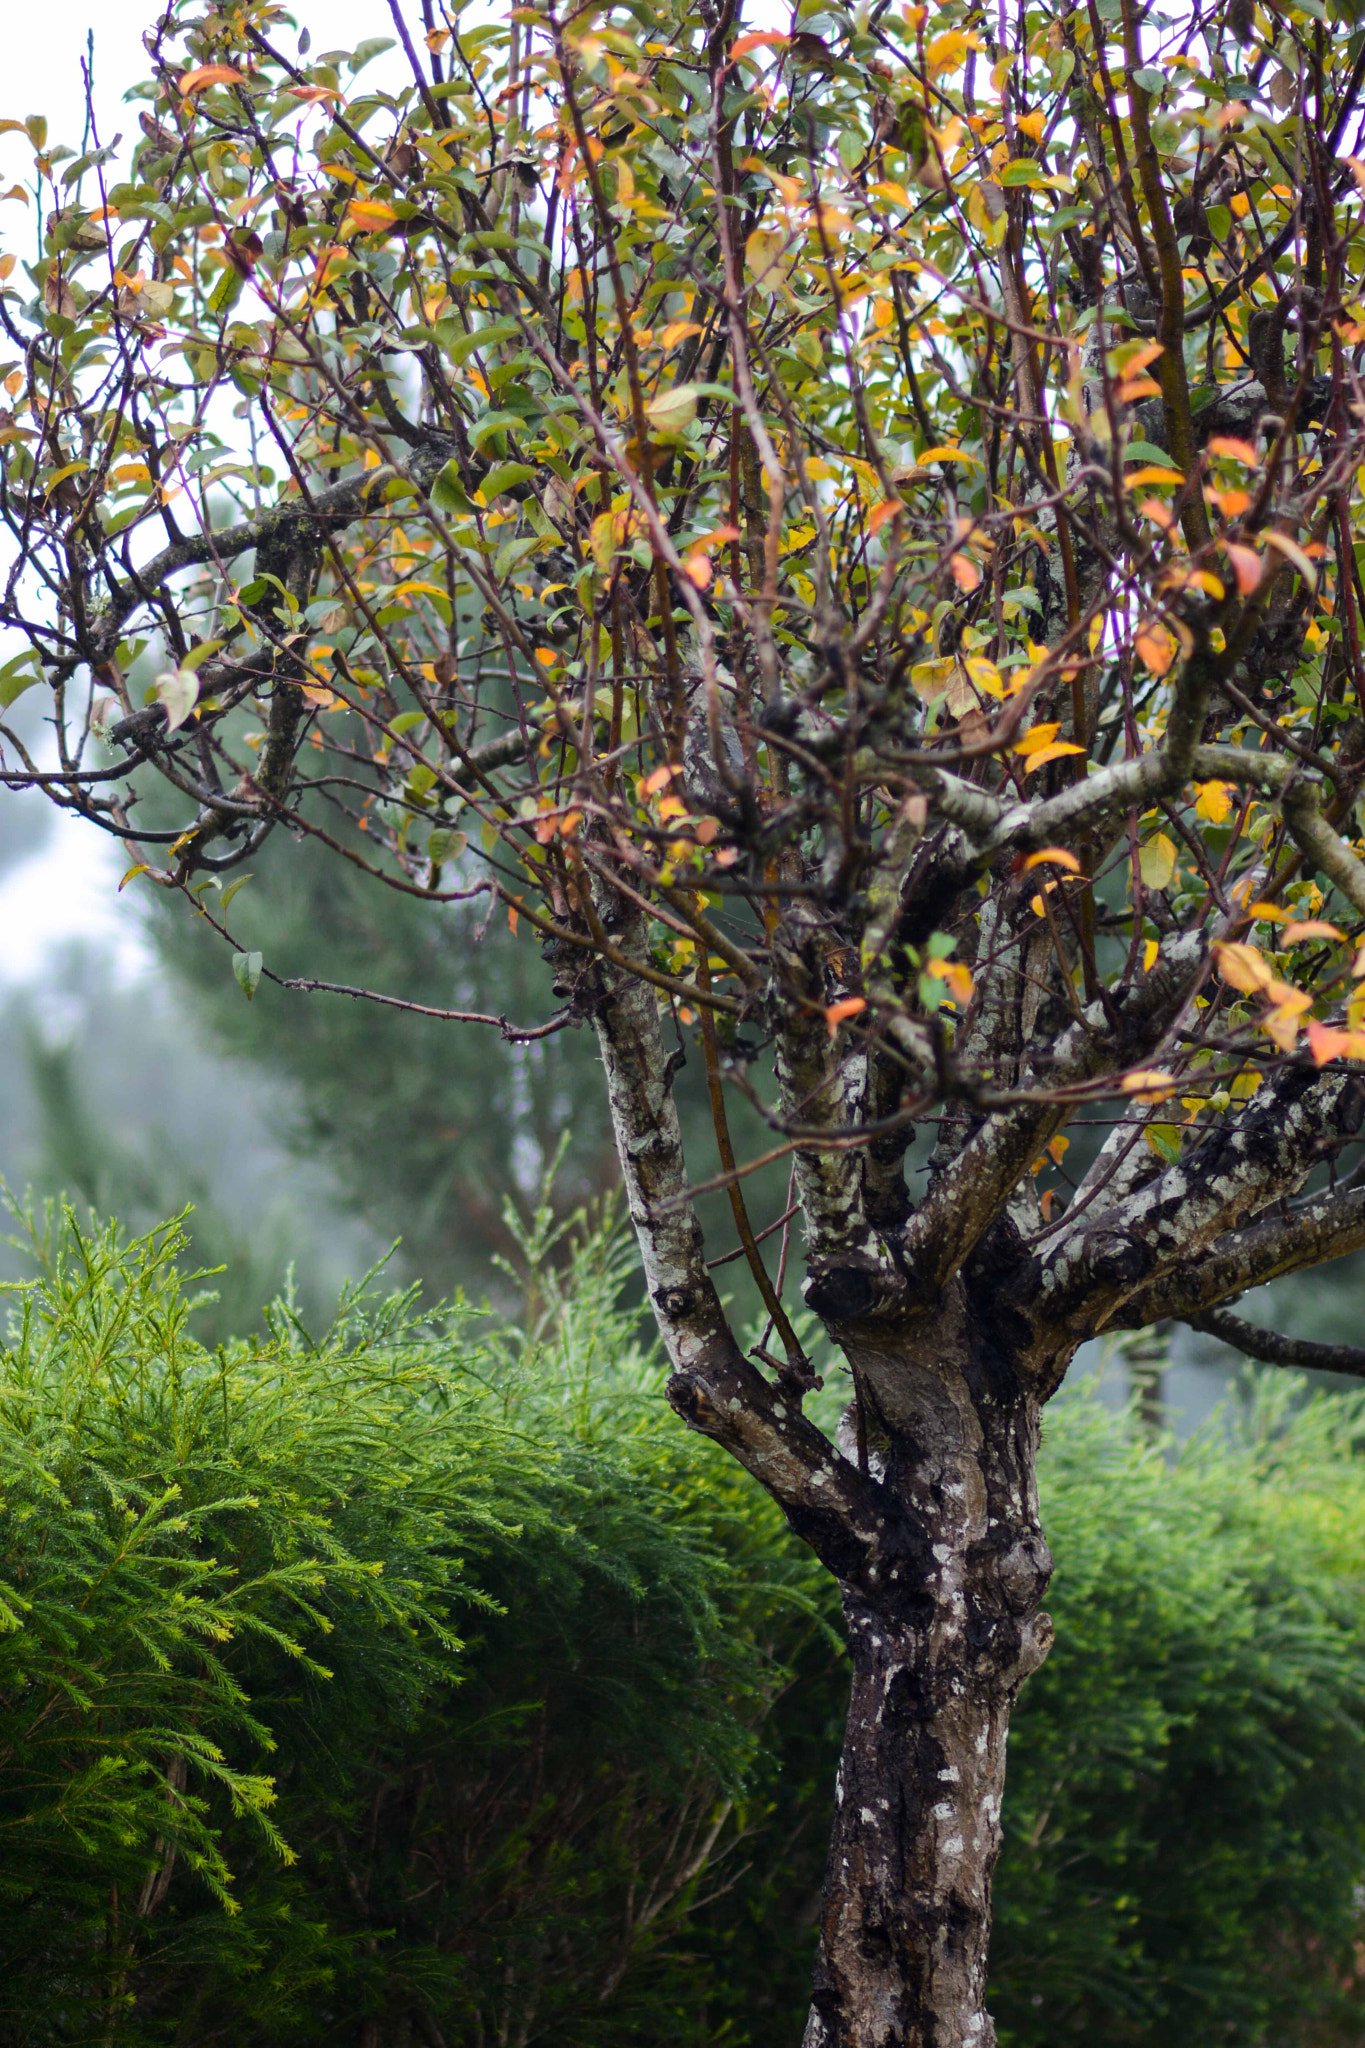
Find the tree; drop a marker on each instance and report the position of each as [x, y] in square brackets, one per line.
[847, 540]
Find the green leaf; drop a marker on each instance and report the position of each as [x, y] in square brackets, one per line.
[446, 845]
[197, 656]
[463, 345]
[233, 887]
[1145, 451]
[247, 968]
[495, 423]
[1150, 79]
[18, 675]
[364, 53]
[447, 490]
[504, 476]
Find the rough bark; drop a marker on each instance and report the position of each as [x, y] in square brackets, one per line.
[938, 1656]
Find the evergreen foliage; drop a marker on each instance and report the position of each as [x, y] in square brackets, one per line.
[383, 1686]
[502, 1666]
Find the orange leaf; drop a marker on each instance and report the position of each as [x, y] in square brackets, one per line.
[657, 779]
[1327, 1044]
[1247, 567]
[1153, 475]
[324, 699]
[372, 213]
[966, 575]
[837, 1012]
[204, 75]
[1239, 451]
[1309, 928]
[889, 507]
[1157, 648]
[1058, 855]
[512, 919]
[763, 39]
[697, 570]
[309, 93]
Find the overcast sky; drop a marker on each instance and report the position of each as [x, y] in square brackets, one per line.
[70, 886]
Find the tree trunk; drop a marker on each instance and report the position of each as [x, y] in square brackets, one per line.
[940, 1642]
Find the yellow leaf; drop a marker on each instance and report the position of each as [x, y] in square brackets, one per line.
[949, 455]
[1150, 950]
[141, 869]
[762, 256]
[1149, 1084]
[1152, 475]
[1037, 736]
[1243, 967]
[1156, 862]
[1055, 752]
[678, 330]
[1213, 802]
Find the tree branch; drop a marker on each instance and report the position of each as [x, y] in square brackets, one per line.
[837, 1510]
[1272, 1349]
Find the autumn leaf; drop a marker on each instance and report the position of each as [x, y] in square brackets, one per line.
[1157, 648]
[1237, 451]
[837, 1013]
[1309, 928]
[1242, 967]
[1247, 566]
[1156, 862]
[1149, 1084]
[1057, 855]
[204, 75]
[1055, 752]
[1213, 802]
[673, 411]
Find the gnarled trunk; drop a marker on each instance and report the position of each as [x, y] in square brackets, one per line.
[940, 1642]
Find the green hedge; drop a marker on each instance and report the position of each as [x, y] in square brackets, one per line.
[423, 1682]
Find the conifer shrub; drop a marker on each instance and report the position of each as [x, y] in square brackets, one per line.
[415, 1682]
[397, 1676]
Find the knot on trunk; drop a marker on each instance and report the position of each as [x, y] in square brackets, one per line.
[852, 1289]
